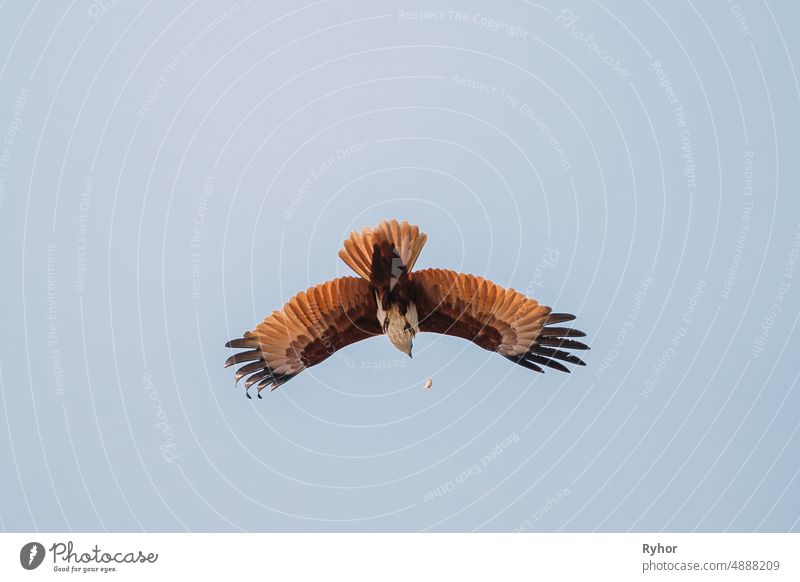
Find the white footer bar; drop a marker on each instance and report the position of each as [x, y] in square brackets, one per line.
[441, 557]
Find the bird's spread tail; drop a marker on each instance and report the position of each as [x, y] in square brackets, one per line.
[359, 248]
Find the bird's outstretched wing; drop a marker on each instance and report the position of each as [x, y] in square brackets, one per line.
[497, 319]
[312, 326]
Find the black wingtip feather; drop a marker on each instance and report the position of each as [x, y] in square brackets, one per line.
[260, 375]
[558, 318]
[551, 344]
[248, 369]
[561, 332]
[560, 342]
[257, 377]
[548, 362]
[242, 342]
[557, 354]
[525, 363]
[243, 357]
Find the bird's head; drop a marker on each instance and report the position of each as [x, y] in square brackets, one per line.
[404, 343]
[400, 330]
[401, 335]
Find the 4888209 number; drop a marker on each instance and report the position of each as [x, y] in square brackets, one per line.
[750, 565]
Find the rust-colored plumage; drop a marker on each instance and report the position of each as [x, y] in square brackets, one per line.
[388, 298]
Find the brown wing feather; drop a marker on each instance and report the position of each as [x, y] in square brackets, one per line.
[312, 326]
[497, 319]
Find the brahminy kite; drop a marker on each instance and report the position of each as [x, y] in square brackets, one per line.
[390, 298]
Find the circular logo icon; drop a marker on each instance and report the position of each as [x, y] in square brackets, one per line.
[31, 555]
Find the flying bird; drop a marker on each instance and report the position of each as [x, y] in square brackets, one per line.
[390, 298]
